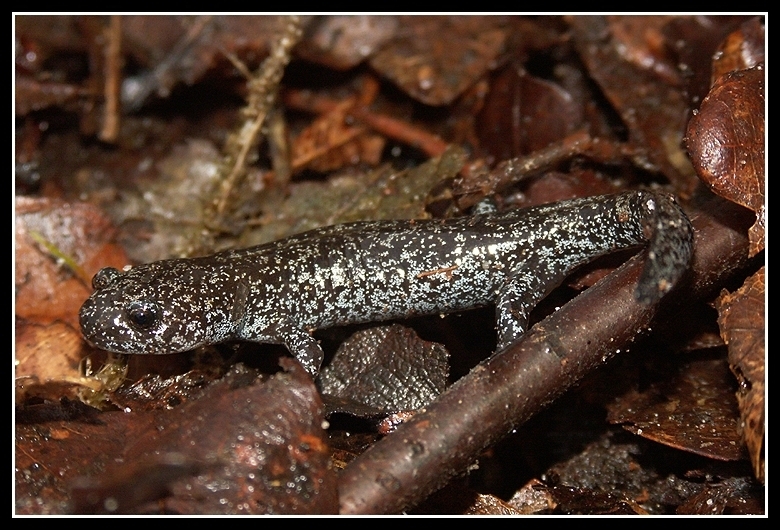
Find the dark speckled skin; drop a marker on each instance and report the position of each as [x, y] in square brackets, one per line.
[379, 270]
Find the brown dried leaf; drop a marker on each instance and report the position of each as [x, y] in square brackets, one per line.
[47, 352]
[48, 344]
[329, 143]
[387, 367]
[694, 411]
[523, 113]
[742, 49]
[726, 143]
[436, 70]
[742, 325]
[651, 105]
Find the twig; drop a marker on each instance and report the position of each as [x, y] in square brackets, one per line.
[263, 89]
[473, 187]
[112, 86]
[394, 128]
[137, 91]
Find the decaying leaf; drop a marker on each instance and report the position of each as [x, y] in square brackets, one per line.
[693, 411]
[343, 41]
[741, 321]
[330, 143]
[387, 367]
[435, 70]
[244, 444]
[651, 105]
[743, 48]
[726, 143]
[59, 246]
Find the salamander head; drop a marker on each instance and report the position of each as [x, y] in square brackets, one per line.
[151, 309]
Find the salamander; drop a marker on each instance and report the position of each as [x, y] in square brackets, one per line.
[369, 271]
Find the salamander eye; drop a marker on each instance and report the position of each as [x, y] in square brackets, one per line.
[142, 314]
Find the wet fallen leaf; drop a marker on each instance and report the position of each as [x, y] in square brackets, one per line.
[58, 247]
[742, 326]
[742, 49]
[651, 106]
[261, 441]
[344, 41]
[726, 143]
[523, 113]
[643, 44]
[48, 352]
[436, 71]
[577, 501]
[491, 505]
[387, 367]
[733, 496]
[694, 411]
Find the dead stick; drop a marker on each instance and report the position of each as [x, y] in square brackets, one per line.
[394, 128]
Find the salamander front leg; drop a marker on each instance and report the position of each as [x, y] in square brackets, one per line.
[516, 299]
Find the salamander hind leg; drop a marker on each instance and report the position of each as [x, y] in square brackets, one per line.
[305, 348]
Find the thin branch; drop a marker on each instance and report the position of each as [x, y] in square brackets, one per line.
[112, 86]
[394, 128]
[470, 188]
[241, 145]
